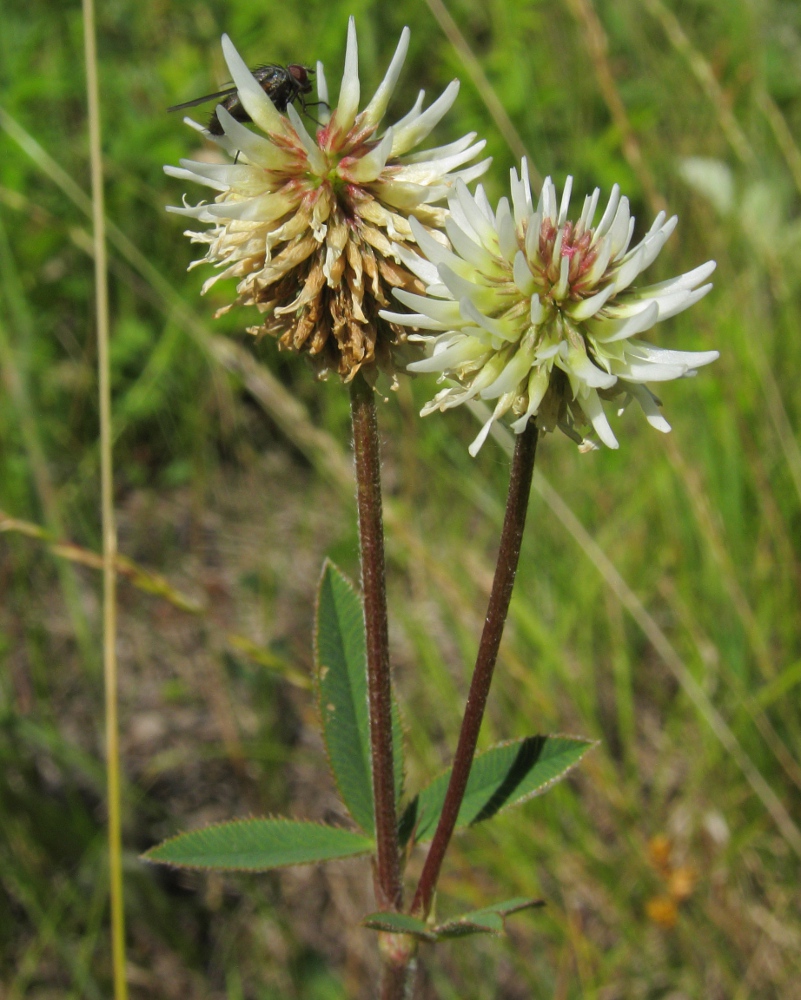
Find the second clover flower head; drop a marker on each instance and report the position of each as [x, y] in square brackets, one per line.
[538, 314]
[315, 226]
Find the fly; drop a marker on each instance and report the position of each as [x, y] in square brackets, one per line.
[282, 84]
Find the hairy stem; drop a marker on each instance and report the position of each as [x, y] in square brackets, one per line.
[371, 534]
[502, 584]
[396, 981]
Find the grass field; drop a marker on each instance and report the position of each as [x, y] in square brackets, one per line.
[657, 603]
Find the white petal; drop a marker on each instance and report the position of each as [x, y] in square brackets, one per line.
[408, 136]
[421, 266]
[254, 100]
[672, 305]
[440, 152]
[546, 205]
[620, 227]
[469, 249]
[658, 355]
[600, 264]
[591, 405]
[265, 208]
[565, 204]
[497, 327]
[199, 212]
[436, 252]
[444, 311]
[524, 177]
[589, 210]
[559, 290]
[189, 175]
[368, 167]
[322, 88]
[524, 279]
[507, 235]
[482, 295]
[521, 196]
[656, 240]
[349, 91]
[512, 375]
[538, 383]
[688, 280]
[481, 225]
[650, 407]
[641, 371]
[475, 447]
[257, 149]
[533, 227]
[467, 349]
[231, 173]
[628, 271]
[416, 320]
[579, 364]
[609, 214]
[658, 222]
[503, 405]
[377, 107]
[606, 331]
[413, 113]
[625, 243]
[483, 204]
[314, 154]
[426, 171]
[473, 173]
[587, 308]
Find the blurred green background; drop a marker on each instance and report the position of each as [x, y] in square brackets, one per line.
[657, 604]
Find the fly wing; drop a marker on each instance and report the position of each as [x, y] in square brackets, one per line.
[220, 95]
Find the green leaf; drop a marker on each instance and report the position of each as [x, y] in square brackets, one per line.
[341, 662]
[257, 845]
[399, 923]
[488, 920]
[505, 775]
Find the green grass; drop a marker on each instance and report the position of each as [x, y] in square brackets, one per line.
[689, 636]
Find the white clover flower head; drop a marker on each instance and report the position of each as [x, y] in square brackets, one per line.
[538, 313]
[315, 226]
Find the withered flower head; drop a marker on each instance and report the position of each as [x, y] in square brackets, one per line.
[312, 224]
[539, 314]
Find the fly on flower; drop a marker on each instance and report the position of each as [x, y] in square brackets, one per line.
[283, 85]
[308, 223]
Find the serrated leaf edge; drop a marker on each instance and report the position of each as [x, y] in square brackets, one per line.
[327, 562]
[469, 919]
[378, 922]
[245, 822]
[590, 744]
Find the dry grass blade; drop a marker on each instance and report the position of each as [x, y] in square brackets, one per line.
[598, 48]
[107, 504]
[704, 74]
[782, 134]
[485, 89]
[157, 586]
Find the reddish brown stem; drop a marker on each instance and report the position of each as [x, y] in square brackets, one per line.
[505, 570]
[371, 533]
[393, 982]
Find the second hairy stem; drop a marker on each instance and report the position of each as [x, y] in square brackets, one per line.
[371, 534]
[500, 596]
